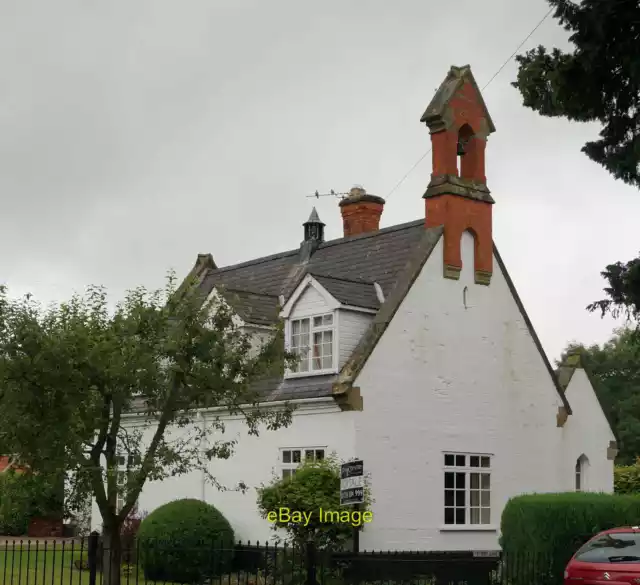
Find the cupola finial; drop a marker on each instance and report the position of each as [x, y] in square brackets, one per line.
[314, 228]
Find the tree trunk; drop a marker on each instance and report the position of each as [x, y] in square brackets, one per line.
[111, 557]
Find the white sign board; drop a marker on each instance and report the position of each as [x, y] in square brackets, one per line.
[352, 483]
[486, 553]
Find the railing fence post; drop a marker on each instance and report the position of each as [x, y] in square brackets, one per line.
[92, 556]
[311, 562]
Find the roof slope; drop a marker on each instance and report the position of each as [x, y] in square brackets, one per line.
[346, 267]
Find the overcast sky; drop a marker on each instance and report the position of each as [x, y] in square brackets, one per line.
[135, 134]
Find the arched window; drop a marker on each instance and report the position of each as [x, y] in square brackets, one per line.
[582, 464]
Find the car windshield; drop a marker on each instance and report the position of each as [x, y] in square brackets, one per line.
[616, 547]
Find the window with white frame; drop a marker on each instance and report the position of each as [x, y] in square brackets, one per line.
[581, 471]
[292, 458]
[312, 339]
[125, 465]
[467, 489]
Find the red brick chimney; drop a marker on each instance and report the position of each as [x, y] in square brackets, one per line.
[457, 196]
[361, 212]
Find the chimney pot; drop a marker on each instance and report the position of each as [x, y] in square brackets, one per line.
[361, 212]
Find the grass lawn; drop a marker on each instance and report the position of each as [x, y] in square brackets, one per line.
[53, 565]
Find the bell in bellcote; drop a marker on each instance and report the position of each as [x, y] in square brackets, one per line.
[461, 150]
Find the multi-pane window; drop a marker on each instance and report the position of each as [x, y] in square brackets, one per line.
[291, 459]
[312, 340]
[125, 465]
[467, 489]
[122, 484]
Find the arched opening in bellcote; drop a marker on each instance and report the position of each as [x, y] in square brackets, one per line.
[466, 151]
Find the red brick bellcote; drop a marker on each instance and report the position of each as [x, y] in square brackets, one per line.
[457, 196]
[361, 212]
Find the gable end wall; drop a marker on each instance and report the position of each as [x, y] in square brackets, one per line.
[448, 378]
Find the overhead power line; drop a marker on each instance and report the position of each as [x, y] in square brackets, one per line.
[535, 28]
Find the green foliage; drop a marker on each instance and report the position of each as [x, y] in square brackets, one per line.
[615, 371]
[315, 486]
[551, 527]
[24, 496]
[626, 478]
[185, 541]
[623, 291]
[598, 81]
[71, 373]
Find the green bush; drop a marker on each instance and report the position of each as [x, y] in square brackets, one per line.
[626, 479]
[314, 487]
[548, 529]
[185, 541]
[24, 496]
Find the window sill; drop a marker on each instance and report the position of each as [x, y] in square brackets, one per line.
[290, 376]
[468, 528]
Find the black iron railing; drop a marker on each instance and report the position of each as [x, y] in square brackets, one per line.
[88, 562]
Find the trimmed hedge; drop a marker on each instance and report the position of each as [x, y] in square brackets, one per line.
[185, 541]
[552, 527]
[626, 479]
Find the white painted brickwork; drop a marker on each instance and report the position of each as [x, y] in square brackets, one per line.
[444, 377]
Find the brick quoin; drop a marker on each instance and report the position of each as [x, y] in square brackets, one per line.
[457, 197]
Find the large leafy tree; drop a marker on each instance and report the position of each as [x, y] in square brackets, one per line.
[615, 370]
[622, 290]
[598, 81]
[71, 376]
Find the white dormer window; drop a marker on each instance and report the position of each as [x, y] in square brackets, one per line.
[312, 338]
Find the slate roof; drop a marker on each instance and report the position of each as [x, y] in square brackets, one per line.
[253, 307]
[350, 292]
[346, 267]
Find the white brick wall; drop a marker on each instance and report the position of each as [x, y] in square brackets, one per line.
[587, 432]
[256, 459]
[443, 377]
[446, 377]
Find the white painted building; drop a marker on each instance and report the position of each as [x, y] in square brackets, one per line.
[417, 356]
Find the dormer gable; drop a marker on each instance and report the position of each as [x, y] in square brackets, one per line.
[308, 298]
[321, 327]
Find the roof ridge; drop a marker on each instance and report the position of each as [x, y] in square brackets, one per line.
[392, 228]
[337, 241]
[260, 260]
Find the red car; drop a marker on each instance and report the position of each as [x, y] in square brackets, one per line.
[611, 556]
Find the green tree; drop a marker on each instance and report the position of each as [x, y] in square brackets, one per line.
[315, 487]
[615, 370]
[598, 81]
[623, 291]
[71, 373]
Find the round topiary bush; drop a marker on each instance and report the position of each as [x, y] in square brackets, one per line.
[185, 541]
